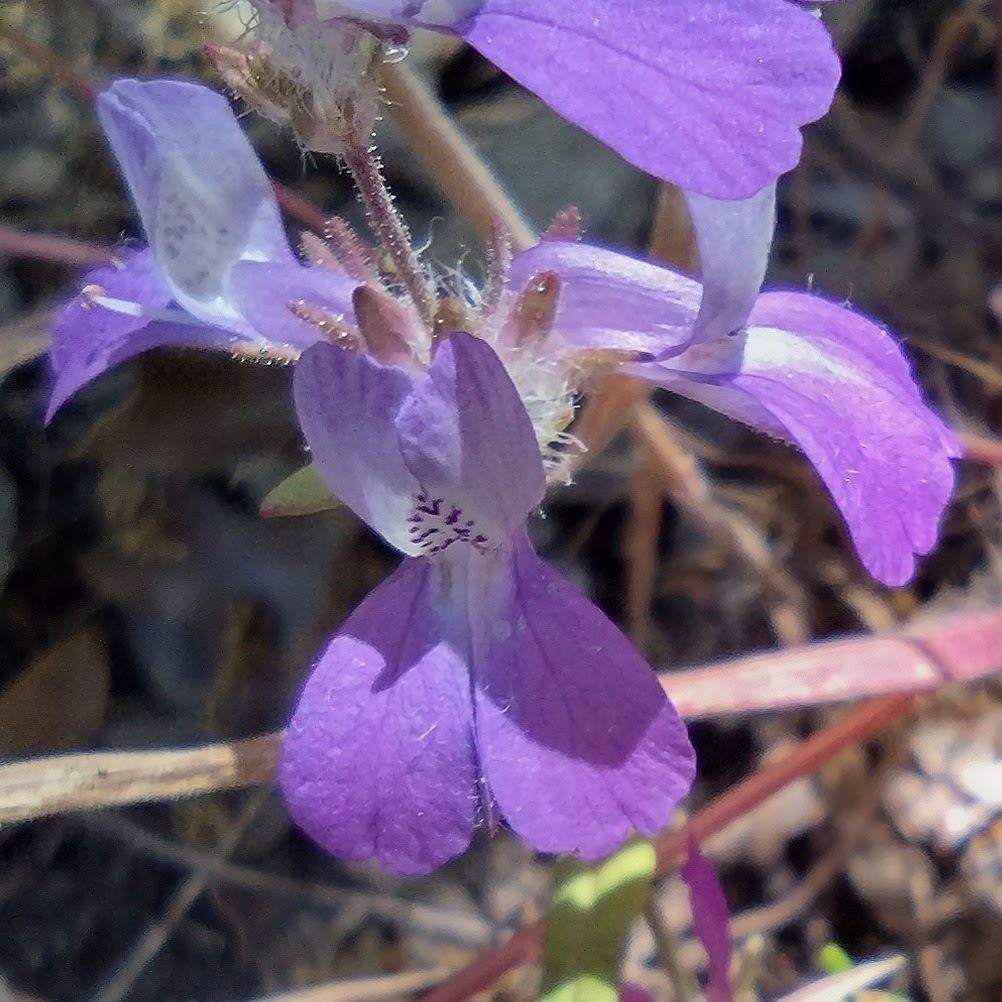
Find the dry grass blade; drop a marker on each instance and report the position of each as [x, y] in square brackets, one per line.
[685, 484]
[376, 989]
[955, 648]
[36, 788]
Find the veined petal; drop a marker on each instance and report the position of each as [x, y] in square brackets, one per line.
[733, 240]
[610, 300]
[379, 760]
[709, 95]
[203, 197]
[88, 339]
[466, 435]
[834, 383]
[347, 402]
[577, 739]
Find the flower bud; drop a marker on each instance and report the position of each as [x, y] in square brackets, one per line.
[315, 76]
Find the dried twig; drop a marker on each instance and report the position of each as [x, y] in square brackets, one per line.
[956, 648]
[37, 787]
[464, 178]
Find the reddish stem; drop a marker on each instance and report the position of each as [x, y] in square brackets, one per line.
[56, 250]
[48, 60]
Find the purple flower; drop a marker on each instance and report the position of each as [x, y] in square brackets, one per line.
[475, 680]
[219, 274]
[206, 207]
[795, 365]
[708, 94]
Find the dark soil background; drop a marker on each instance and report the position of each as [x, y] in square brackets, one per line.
[145, 604]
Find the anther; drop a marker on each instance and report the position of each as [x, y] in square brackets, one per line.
[536, 307]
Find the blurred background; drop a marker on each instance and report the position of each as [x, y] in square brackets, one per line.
[143, 602]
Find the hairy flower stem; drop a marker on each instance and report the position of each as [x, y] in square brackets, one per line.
[389, 227]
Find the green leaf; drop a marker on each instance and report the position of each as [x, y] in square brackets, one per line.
[304, 493]
[591, 913]
[832, 959]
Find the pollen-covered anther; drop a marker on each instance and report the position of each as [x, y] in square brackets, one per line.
[594, 360]
[330, 326]
[536, 308]
[450, 317]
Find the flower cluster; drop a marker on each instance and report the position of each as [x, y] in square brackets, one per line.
[475, 684]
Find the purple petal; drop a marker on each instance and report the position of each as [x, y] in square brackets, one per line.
[577, 739]
[347, 402]
[465, 435]
[89, 339]
[734, 240]
[709, 95]
[379, 757]
[833, 382]
[710, 922]
[200, 191]
[264, 292]
[611, 300]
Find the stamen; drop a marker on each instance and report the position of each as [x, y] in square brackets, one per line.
[536, 308]
[330, 326]
[317, 253]
[385, 326]
[355, 256]
[498, 266]
[94, 296]
[566, 225]
[449, 318]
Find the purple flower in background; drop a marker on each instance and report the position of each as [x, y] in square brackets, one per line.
[794, 365]
[708, 94]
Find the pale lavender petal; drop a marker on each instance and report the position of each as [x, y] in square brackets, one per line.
[733, 240]
[710, 922]
[709, 95]
[379, 759]
[577, 739]
[202, 195]
[609, 300]
[834, 383]
[346, 404]
[89, 339]
[466, 437]
[265, 291]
